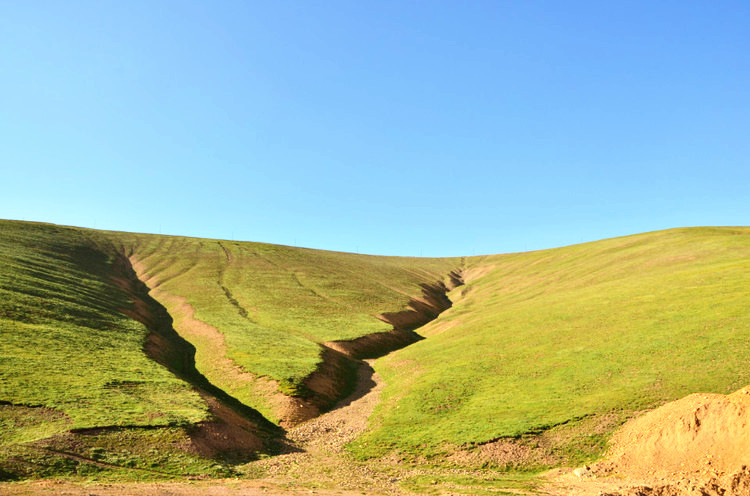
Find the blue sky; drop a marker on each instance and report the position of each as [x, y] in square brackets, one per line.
[404, 127]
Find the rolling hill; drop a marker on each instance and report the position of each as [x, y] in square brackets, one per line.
[237, 339]
[140, 355]
[570, 342]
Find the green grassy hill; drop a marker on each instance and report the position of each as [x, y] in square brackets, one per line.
[138, 354]
[569, 342]
[86, 347]
[71, 358]
[266, 309]
[66, 342]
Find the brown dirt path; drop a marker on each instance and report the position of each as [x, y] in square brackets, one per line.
[228, 487]
[319, 459]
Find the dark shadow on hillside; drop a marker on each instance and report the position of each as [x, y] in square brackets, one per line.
[365, 383]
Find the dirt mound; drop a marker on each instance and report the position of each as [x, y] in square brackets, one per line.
[697, 445]
[701, 433]
[736, 484]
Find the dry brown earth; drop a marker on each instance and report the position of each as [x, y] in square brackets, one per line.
[696, 446]
[316, 455]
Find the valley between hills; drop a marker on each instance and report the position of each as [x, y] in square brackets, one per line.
[150, 364]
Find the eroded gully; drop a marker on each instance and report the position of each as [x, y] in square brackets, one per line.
[237, 429]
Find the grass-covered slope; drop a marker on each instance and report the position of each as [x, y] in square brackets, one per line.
[89, 360]
[590, 331]
[78, 394]
[268, 308]
[564, 342]
[66, 343]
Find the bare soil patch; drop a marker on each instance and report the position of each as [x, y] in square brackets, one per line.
[695, 446]
[376, 344]
[317, 457]
[230, 487]
[698, 434]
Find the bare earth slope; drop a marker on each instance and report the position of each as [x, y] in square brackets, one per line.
[696, 446]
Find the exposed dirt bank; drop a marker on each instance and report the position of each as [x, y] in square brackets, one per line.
[321, 389]
[420, 311]
[567, 483]
[697, 445]
[318, 444]
[696, 434]
[334, 377]
[375, 345]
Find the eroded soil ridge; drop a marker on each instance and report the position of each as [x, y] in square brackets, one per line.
[420, 311]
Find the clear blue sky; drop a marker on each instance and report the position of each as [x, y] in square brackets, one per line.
[388, 127]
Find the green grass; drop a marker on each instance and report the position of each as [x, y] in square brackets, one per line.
[129, 454]
[65, 343]
[549, 337]
[69, 357]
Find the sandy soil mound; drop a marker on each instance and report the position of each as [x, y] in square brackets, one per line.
[737, 484]
[698, 445]
[701, 433]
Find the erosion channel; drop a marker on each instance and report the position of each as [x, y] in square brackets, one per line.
[339, 395]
